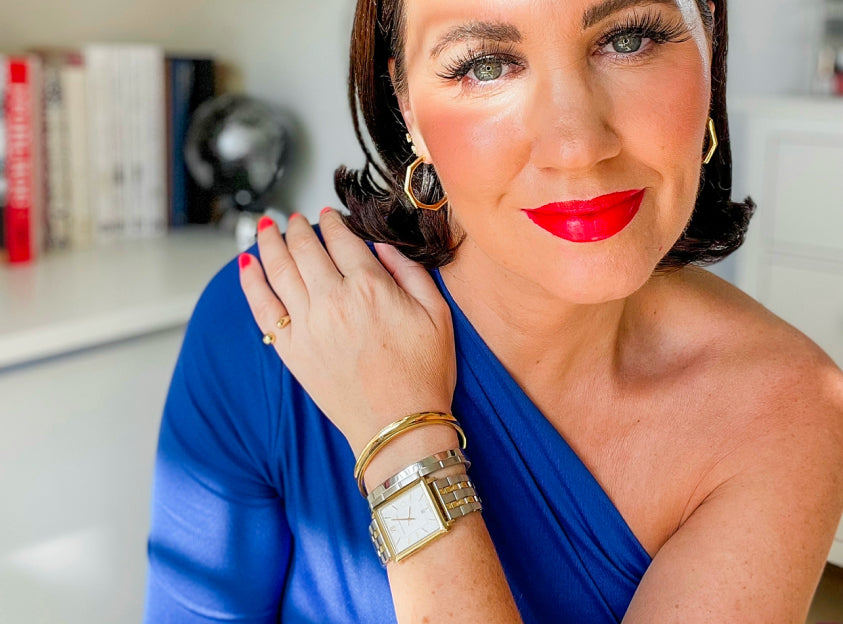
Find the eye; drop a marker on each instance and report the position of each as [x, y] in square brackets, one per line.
[482, 66]
[488, 69]
[641, 35]
[627, 43]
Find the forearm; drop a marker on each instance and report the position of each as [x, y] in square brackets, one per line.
[457, 577]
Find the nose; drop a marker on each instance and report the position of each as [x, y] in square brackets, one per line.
[569, 120]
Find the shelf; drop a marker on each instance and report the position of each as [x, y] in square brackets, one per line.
[66, 301]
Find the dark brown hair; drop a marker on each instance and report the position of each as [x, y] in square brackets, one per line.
[380, 212]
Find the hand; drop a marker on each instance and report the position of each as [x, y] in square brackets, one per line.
[370, 343]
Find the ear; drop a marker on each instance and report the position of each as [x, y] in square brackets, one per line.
[403, 97]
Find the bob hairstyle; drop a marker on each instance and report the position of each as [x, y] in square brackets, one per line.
[380, 212]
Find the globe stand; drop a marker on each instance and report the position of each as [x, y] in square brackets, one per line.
[244, 225]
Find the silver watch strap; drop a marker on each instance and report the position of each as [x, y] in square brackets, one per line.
[456, 496]
[422, 468]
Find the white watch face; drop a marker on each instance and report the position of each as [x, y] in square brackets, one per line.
[410, 518]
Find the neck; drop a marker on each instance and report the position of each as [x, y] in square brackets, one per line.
[545, 343]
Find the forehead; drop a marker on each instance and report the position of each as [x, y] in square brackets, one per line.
[421, 13]
[423, 16]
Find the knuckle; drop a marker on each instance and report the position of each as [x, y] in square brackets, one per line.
[298, 244]
[263, 312]
[332, 223]
[368, 284]
[279, 270]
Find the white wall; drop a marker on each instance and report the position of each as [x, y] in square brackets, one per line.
[292, 53]
[773, 45]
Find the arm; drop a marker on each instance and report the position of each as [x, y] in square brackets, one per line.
[755, 548]
[353, 326]
[219, 545]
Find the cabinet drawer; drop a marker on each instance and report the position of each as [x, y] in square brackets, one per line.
[805, 206]
[811, 300]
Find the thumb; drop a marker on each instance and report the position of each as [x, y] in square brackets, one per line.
[411, 276]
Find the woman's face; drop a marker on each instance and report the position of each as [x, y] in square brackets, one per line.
[522, 104]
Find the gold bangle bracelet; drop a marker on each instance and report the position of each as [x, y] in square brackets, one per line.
[395, 429]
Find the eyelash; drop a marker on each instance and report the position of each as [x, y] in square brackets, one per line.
[650, 26]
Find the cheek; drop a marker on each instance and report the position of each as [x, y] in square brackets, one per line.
[671, 125]
[466, 142]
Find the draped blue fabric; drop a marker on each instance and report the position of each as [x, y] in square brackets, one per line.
[256, 517]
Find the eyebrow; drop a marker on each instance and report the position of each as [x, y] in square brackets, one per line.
[502, 32]
[598, 12]
[499, 32]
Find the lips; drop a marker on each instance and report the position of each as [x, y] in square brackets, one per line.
[587, 221]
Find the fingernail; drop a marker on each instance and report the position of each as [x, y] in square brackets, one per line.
[294, 215]
[264, 223]
[324, 210]
[244, 260]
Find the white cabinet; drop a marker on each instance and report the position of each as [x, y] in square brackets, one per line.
[88, 341]
[789, 158]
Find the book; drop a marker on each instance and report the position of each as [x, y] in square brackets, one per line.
[74, 91]
[57, 175]
[191, 81]
[153, 148]
[3, 72]
[24, 229]
[106, 213]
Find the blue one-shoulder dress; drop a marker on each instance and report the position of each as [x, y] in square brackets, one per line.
[256, 516]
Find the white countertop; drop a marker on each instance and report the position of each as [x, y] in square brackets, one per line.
[72, 300]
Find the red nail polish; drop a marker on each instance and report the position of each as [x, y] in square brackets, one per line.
[264, 223]
[244, 260]
[324, 210]
[294, 215]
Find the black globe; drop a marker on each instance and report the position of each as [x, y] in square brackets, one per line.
[238, 148]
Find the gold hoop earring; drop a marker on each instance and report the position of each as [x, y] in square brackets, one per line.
[408, 189]
[712, 132]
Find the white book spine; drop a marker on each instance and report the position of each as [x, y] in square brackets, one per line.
[154, 151]
[128, 107]
[134, 131]
[58, 216]
[38, 206]
[117, 208]
[99, 186]
[74, 88]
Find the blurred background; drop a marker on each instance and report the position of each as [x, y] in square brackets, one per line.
[94, 297]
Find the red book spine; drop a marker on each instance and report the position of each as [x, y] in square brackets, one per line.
[20, 237]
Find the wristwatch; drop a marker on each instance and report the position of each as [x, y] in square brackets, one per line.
[406, 519]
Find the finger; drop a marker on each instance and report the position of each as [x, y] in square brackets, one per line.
[348, 251]
[269, 313]
[281, 270]
[315, 266]
[411, 276]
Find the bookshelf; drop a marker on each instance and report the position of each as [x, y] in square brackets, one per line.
[74, 300]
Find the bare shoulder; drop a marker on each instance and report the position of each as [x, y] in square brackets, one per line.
[753, 351]
[767, 444]
[782, 392]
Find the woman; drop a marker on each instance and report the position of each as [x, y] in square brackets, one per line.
[649, 444]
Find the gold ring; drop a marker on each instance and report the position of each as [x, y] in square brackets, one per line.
[283, 322]
[269, 339]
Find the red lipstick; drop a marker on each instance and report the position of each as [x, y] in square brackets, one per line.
[588, 221]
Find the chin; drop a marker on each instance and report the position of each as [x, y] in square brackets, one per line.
[600, 278]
